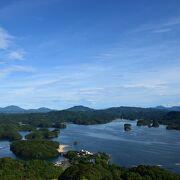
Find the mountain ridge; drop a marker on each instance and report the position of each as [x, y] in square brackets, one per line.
[172, 108]
[16, 109]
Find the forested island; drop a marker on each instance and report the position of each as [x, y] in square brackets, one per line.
[149, 123]
[43, 133]
[35, 149]
[127, 127]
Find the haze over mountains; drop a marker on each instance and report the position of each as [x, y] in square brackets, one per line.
[173, 108]
[17, 109]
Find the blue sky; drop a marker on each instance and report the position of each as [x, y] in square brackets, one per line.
[97, 53]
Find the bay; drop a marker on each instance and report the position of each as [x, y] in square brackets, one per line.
[141, 145]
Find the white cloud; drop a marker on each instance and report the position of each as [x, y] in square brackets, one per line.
[4, 72]
[163, 30]
[91, 84]
[5, 39]
[16, 55]
[163, 26]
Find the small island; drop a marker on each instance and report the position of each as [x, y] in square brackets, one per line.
[155, 124]
[59, 125]
[43, 133]
[173, 127]
[35, 149]
[143, 122]
[149, 123]
[127, 127]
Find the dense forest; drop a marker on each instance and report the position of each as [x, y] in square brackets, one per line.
[99, 170]
[86, 117]
[11, 169]
[43, 133]
[98, 167]
[37, 149]
[113, 172]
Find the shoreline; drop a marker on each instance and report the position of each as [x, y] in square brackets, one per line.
[62, 147]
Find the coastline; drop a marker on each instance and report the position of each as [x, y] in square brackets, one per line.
[62, 147]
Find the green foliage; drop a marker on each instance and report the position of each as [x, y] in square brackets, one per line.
[27, 170]
[155, 123]
[25, 127]
[111, 172]
[41, 170]
[172, 119]
[154, 172]
[149, 123]
[59, 125]
[173, 127]
[43, 134]
[9, 132]
[144, 123]
[57, 118]
[81, 171]
[101, 169]
[36, 149]
[80, 157]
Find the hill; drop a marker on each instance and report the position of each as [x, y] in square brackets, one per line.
[173, 108]
[12, 109]
[87, 116]
[15, 109]
[80, 108]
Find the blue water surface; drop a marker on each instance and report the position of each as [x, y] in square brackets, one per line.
[141, 145]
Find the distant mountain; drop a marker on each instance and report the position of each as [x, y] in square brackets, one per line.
[12, 109]
[161, 107]
[39, 110]
[80, 108]
[173, 108]
[16, 109]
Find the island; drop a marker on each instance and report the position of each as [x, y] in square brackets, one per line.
[149, 123]
[173, 127]
[35, 149]
[143, 122]
[43, 133]
[59, 125]
[155, 123]
[127, 127]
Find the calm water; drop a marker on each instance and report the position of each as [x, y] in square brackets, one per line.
[141, 145]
